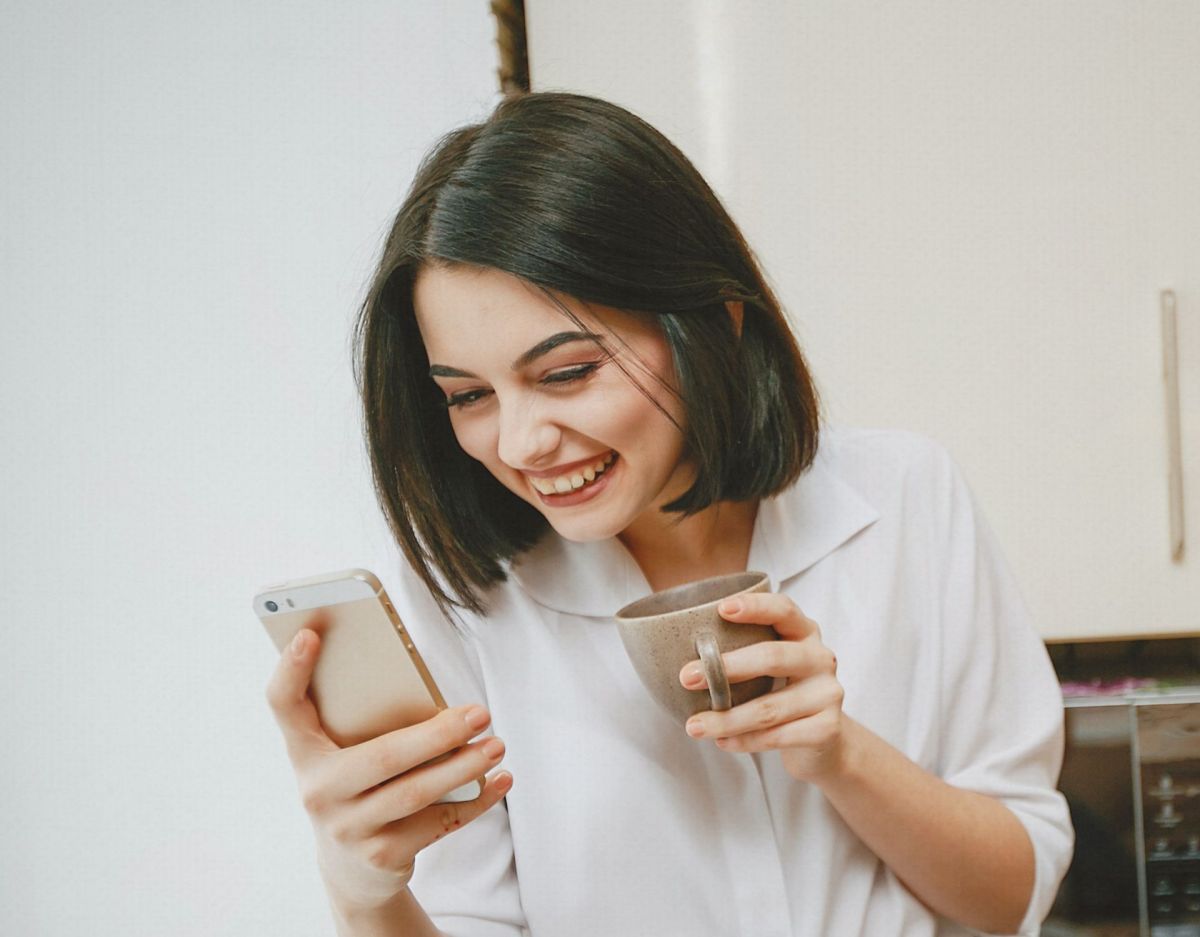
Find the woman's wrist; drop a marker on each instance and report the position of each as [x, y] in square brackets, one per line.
[843, 763]
[359, 912]
[399, 916]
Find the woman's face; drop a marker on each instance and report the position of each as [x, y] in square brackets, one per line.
[547, 410]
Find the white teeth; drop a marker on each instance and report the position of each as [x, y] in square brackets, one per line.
[573, 482]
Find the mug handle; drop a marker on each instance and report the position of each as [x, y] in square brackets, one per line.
[714, 671]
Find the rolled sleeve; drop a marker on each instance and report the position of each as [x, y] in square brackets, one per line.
[1003, 731]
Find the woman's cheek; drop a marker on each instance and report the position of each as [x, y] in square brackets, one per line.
[473, 436]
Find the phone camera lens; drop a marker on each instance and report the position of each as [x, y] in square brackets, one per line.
[272, 607]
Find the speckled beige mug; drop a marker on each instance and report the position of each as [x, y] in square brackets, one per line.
[666, 630]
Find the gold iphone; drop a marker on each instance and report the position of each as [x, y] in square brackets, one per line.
[369, 679]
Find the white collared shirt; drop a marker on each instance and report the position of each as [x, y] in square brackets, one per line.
[618, 823]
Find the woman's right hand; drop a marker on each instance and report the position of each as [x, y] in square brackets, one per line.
[374, 805]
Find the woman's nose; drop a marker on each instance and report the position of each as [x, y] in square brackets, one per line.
[527, 437]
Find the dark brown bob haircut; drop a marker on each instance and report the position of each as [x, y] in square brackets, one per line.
[574, 195]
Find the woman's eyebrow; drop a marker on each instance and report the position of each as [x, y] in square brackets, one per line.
[545, 346]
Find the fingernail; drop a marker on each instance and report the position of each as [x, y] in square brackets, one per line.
[695, 728]
[730, 607]
[476, 718]
[504, 782]
[692, 675]
[493, 748]
[299, 644]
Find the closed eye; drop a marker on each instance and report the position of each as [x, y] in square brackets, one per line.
[465, 399]
[567, 375]
[469, 398]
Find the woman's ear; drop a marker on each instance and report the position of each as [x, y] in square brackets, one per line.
[735, 313]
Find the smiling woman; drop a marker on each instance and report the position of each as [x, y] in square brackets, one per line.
[565, 407]
[578, 388]
[563, 207]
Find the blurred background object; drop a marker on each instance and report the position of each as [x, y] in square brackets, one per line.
[510, 40]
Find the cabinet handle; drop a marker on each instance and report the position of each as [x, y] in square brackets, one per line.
[1174, 444]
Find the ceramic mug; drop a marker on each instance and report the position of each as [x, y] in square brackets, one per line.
[664, 631]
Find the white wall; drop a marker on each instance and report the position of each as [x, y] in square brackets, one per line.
[191, 197]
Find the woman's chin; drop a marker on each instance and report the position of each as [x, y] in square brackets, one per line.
[580, 531]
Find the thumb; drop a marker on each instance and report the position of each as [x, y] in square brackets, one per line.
[287, 695]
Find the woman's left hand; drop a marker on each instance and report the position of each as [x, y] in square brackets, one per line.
[802, 719]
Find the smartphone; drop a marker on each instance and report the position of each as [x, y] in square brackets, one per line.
[369, 679]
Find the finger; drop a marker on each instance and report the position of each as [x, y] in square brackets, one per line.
[795, 660]
[380, 759]
[287, 695]
[814, 732]
[769, 608]
[412, 792]
[797, 701]
[397, 842]
[439, 819]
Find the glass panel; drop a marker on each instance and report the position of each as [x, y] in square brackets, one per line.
[1099, 897]
[1169, 755]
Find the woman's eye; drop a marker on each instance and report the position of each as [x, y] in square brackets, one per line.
[465, 399]
[468, 398]
[567, 375]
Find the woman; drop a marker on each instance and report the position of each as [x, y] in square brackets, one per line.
[579, 388]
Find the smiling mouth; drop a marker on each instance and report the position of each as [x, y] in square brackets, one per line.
[575, 480]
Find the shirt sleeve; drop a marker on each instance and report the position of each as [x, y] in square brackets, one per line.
[1002, 733]
[467, 881]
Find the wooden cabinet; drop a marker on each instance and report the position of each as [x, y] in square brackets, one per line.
[970, 211]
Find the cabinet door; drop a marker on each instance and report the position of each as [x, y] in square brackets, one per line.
[970, 211]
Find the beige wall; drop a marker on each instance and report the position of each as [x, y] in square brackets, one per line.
[970, 210]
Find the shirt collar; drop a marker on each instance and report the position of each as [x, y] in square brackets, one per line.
[792, 531]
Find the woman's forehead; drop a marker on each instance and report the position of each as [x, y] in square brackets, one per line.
[487, 310]
[451, 298]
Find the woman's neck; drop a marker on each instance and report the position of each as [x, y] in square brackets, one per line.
[671, 552]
